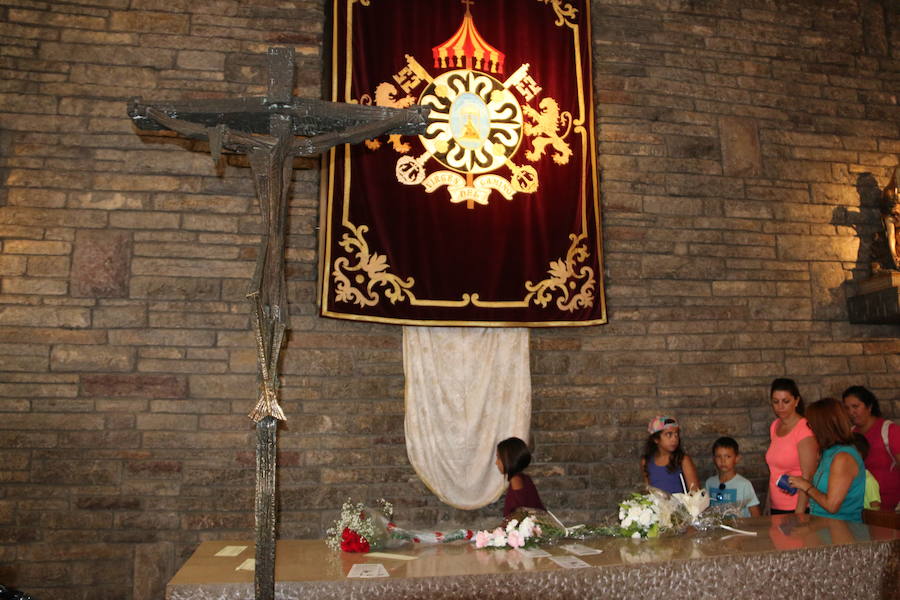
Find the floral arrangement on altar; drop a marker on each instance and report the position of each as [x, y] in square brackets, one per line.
[649, 514]
[356, 529]
[363, 529]
[655, 513]
[639, 516]
[516, 534]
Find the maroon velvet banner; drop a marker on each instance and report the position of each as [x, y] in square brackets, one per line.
[492, 216]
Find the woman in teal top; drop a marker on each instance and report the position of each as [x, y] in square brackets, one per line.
[839, 484]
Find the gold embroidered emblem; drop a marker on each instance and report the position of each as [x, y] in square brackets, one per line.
[478, 122]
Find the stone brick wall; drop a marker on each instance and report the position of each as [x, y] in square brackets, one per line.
[742, 144]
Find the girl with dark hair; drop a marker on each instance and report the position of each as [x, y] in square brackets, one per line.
[839, 485]
[883, 460]
[513, 456]
[792, 450]
[664, 463]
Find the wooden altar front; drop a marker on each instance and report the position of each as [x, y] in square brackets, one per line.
[800, 556]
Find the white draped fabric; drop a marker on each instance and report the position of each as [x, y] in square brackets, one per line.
[467, 388]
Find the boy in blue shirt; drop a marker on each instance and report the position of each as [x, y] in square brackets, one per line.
[728, 486]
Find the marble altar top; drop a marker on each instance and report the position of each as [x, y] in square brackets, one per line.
[312, 564]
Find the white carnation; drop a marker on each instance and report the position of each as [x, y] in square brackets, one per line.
[526, 527]
[645, 519]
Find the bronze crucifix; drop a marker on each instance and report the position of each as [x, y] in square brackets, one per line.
[271, 130]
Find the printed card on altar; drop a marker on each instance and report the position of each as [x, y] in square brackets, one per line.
[533, 552]
[569, 562]
[247, 565]
[367, 570]
[230, 551]
[581, 550]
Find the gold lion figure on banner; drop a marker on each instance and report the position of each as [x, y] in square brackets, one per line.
[543, 127]
[386, 95]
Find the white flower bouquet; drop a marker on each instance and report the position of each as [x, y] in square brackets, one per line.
[656, 513]
[639, 516]
[652, 514]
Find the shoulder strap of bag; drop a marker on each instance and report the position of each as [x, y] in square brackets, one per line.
[885, 426]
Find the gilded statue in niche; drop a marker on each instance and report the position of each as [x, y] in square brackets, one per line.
[890, 216]
[886, 249]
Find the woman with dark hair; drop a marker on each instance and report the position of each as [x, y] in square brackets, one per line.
[884, 442]
[792, 450]
[513, 456]
[839, 485]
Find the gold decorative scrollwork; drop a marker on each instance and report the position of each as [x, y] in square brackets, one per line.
[563, 13]
[356, 283]
[565, 275]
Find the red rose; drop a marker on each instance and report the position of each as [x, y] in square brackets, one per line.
[468, 534]
[352, 542]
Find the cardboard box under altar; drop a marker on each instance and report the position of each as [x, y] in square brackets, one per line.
[796, 556]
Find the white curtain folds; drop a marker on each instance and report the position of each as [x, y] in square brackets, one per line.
[467, 388]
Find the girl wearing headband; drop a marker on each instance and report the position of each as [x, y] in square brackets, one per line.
[664, 463]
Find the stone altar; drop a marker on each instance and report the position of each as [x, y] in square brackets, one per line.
[800, 555]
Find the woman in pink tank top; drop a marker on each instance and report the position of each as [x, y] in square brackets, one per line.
[793, 448]
[883, 460]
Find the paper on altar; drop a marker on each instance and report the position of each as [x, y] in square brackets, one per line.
[247, 565]
[230, 551]
[367, 570]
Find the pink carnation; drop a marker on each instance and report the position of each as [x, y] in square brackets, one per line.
[498, 538]
[515, 539]
[482, 539]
